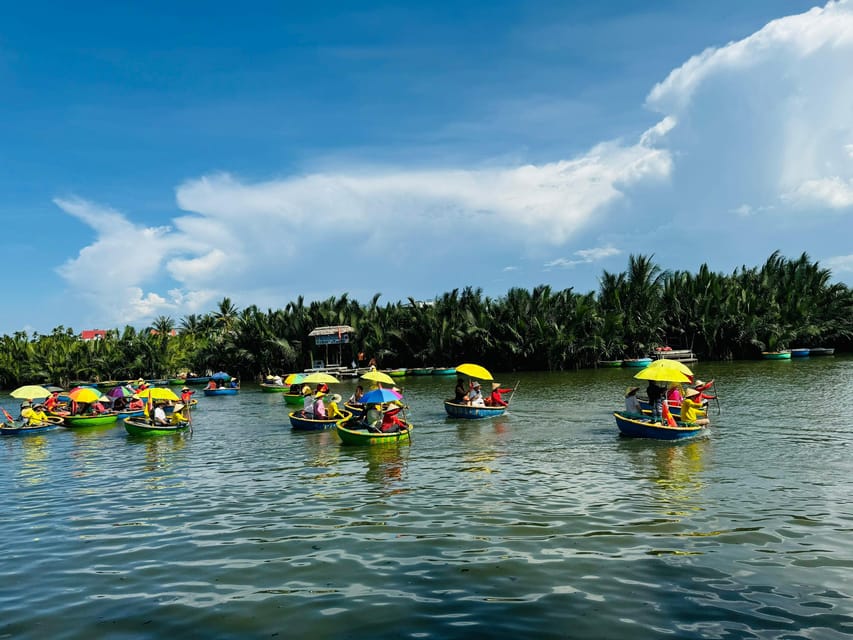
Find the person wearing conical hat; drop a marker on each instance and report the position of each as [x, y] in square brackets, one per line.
[632, 402]
[690, 409]
[495, 398]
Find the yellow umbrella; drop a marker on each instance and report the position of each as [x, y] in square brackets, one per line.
[475, 371]
[159, 393]
[663, 363]
[30, 391]
[317, 378]
[378, 376]
[662, 374]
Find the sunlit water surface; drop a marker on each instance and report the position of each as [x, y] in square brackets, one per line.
[542, 523]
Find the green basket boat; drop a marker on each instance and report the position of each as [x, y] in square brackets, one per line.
[776, 355]
[142, 427]
[102, 420]
[273, 388]
[293, 399]
[364, 437]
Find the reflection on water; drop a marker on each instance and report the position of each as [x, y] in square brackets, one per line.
[386, 464]
[34, 461]
[541, 523]
[675, 470]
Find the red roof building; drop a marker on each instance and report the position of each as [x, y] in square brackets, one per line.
[93, 334]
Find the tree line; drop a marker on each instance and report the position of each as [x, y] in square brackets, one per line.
[783, 303]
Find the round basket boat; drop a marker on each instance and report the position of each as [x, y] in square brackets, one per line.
[298, 423]
[142, 427]
[103, 420]
[51, 423]
[468, 412]
[352, 436]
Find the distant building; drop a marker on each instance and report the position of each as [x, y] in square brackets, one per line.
[93, 334]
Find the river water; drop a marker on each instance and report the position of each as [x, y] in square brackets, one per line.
[542, 523]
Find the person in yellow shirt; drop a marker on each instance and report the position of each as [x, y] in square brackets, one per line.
[34, 415]
[692, 410]
[332, 409]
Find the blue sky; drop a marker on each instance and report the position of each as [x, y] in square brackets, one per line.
[155, 159]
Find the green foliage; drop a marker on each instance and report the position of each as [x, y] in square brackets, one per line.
[783, 303]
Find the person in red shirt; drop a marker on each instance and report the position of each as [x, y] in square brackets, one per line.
[495, 399]
[51, 402]
[390, 422]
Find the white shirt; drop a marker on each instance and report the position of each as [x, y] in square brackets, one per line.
[159, 415]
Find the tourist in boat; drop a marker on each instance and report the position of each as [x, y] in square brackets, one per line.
[702, 387]
[390, 422]
[332, 408]
[690, 409]
[277, 381]
[673, 394]
[632, 402]
[475, 396]
[495, 399]
[37, 416]
[319, 408]
[235, 383]
[178, 416]
[211, 384]
[460, 392]
[373, 417]
[655, 394]
[135, 404]
[52, 401]
[307, 402]
[355, 398]
[160, 414]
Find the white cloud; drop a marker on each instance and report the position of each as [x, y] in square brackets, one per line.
[833, 192]
[761, 125]
[766, 119]
[839, 264]
[584, 256]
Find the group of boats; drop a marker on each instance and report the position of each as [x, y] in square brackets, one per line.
[787, 354]
[88, 406]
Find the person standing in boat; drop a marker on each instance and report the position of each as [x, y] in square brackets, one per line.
[655, 394]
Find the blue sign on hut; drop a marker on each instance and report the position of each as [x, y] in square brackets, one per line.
[339, 335]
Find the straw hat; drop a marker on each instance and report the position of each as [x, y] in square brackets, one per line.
[690, 393]
[179, 406]
[319, 394]
[306, 390]
[631, 390]
[335, 397]
[496, 385]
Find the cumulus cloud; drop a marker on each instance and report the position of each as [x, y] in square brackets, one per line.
[750, 131]
[767, 118]
[108, 275]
